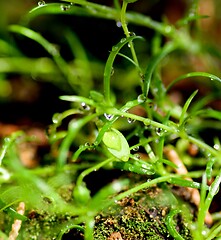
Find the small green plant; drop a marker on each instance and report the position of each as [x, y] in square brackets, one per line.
[144, 134]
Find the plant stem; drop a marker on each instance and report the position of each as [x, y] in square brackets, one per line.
[127, 33]
[93, 168]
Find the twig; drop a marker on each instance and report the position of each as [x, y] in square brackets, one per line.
[17, 223]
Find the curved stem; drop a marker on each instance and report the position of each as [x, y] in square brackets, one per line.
[93, 168]
[127, 33]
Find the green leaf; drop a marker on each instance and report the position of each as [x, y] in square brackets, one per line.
[136, 166]
[109, 65]
[185, 107]
[153, 63]
[96, 96]
[117, 144]
[193, 74]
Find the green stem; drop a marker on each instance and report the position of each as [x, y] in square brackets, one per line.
[171, 224]
[73, 130]
[153, 63]
[127, 33]
[93, 168]
[204, 146]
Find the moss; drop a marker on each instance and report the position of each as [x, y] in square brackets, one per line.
[41, 226]
[140, 216]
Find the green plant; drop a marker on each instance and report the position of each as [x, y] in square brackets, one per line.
[105, 132]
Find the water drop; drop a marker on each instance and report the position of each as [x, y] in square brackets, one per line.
[131, 168]
[216, 146]
[116, 186]
[85, 107]
[119, 24]
[114, 48]
[132, 33]
[123, 40]
[136, 148]
[65, 7]
[153, 106]
[137, 156]
[56, 118]
[112, 71]
[131, 120]
[147, 122]
[109, 117]
[7, 139]
[141, 98]
[159, 131]
[87, 144]
[204, 232]
[155, 90]
[142, 77]
[129, 45]
[168, 29]
[208, 155]
[41, 3]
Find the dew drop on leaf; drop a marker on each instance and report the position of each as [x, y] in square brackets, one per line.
[159, 131]
[119, 24]
[65, 7]
[56, 118]
[85, 106]
[123, 40]
[137, 156]
[87, 144]
[168, 29]
[130, 120]
[41, 3]
[135, 149]
[114, 48]
[109, 117]
[132, 33]
[112, 71]
[216, 146]
[141, 98]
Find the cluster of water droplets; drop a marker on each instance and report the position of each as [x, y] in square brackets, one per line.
[89, 146]
[65, 7]
[123, 40]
